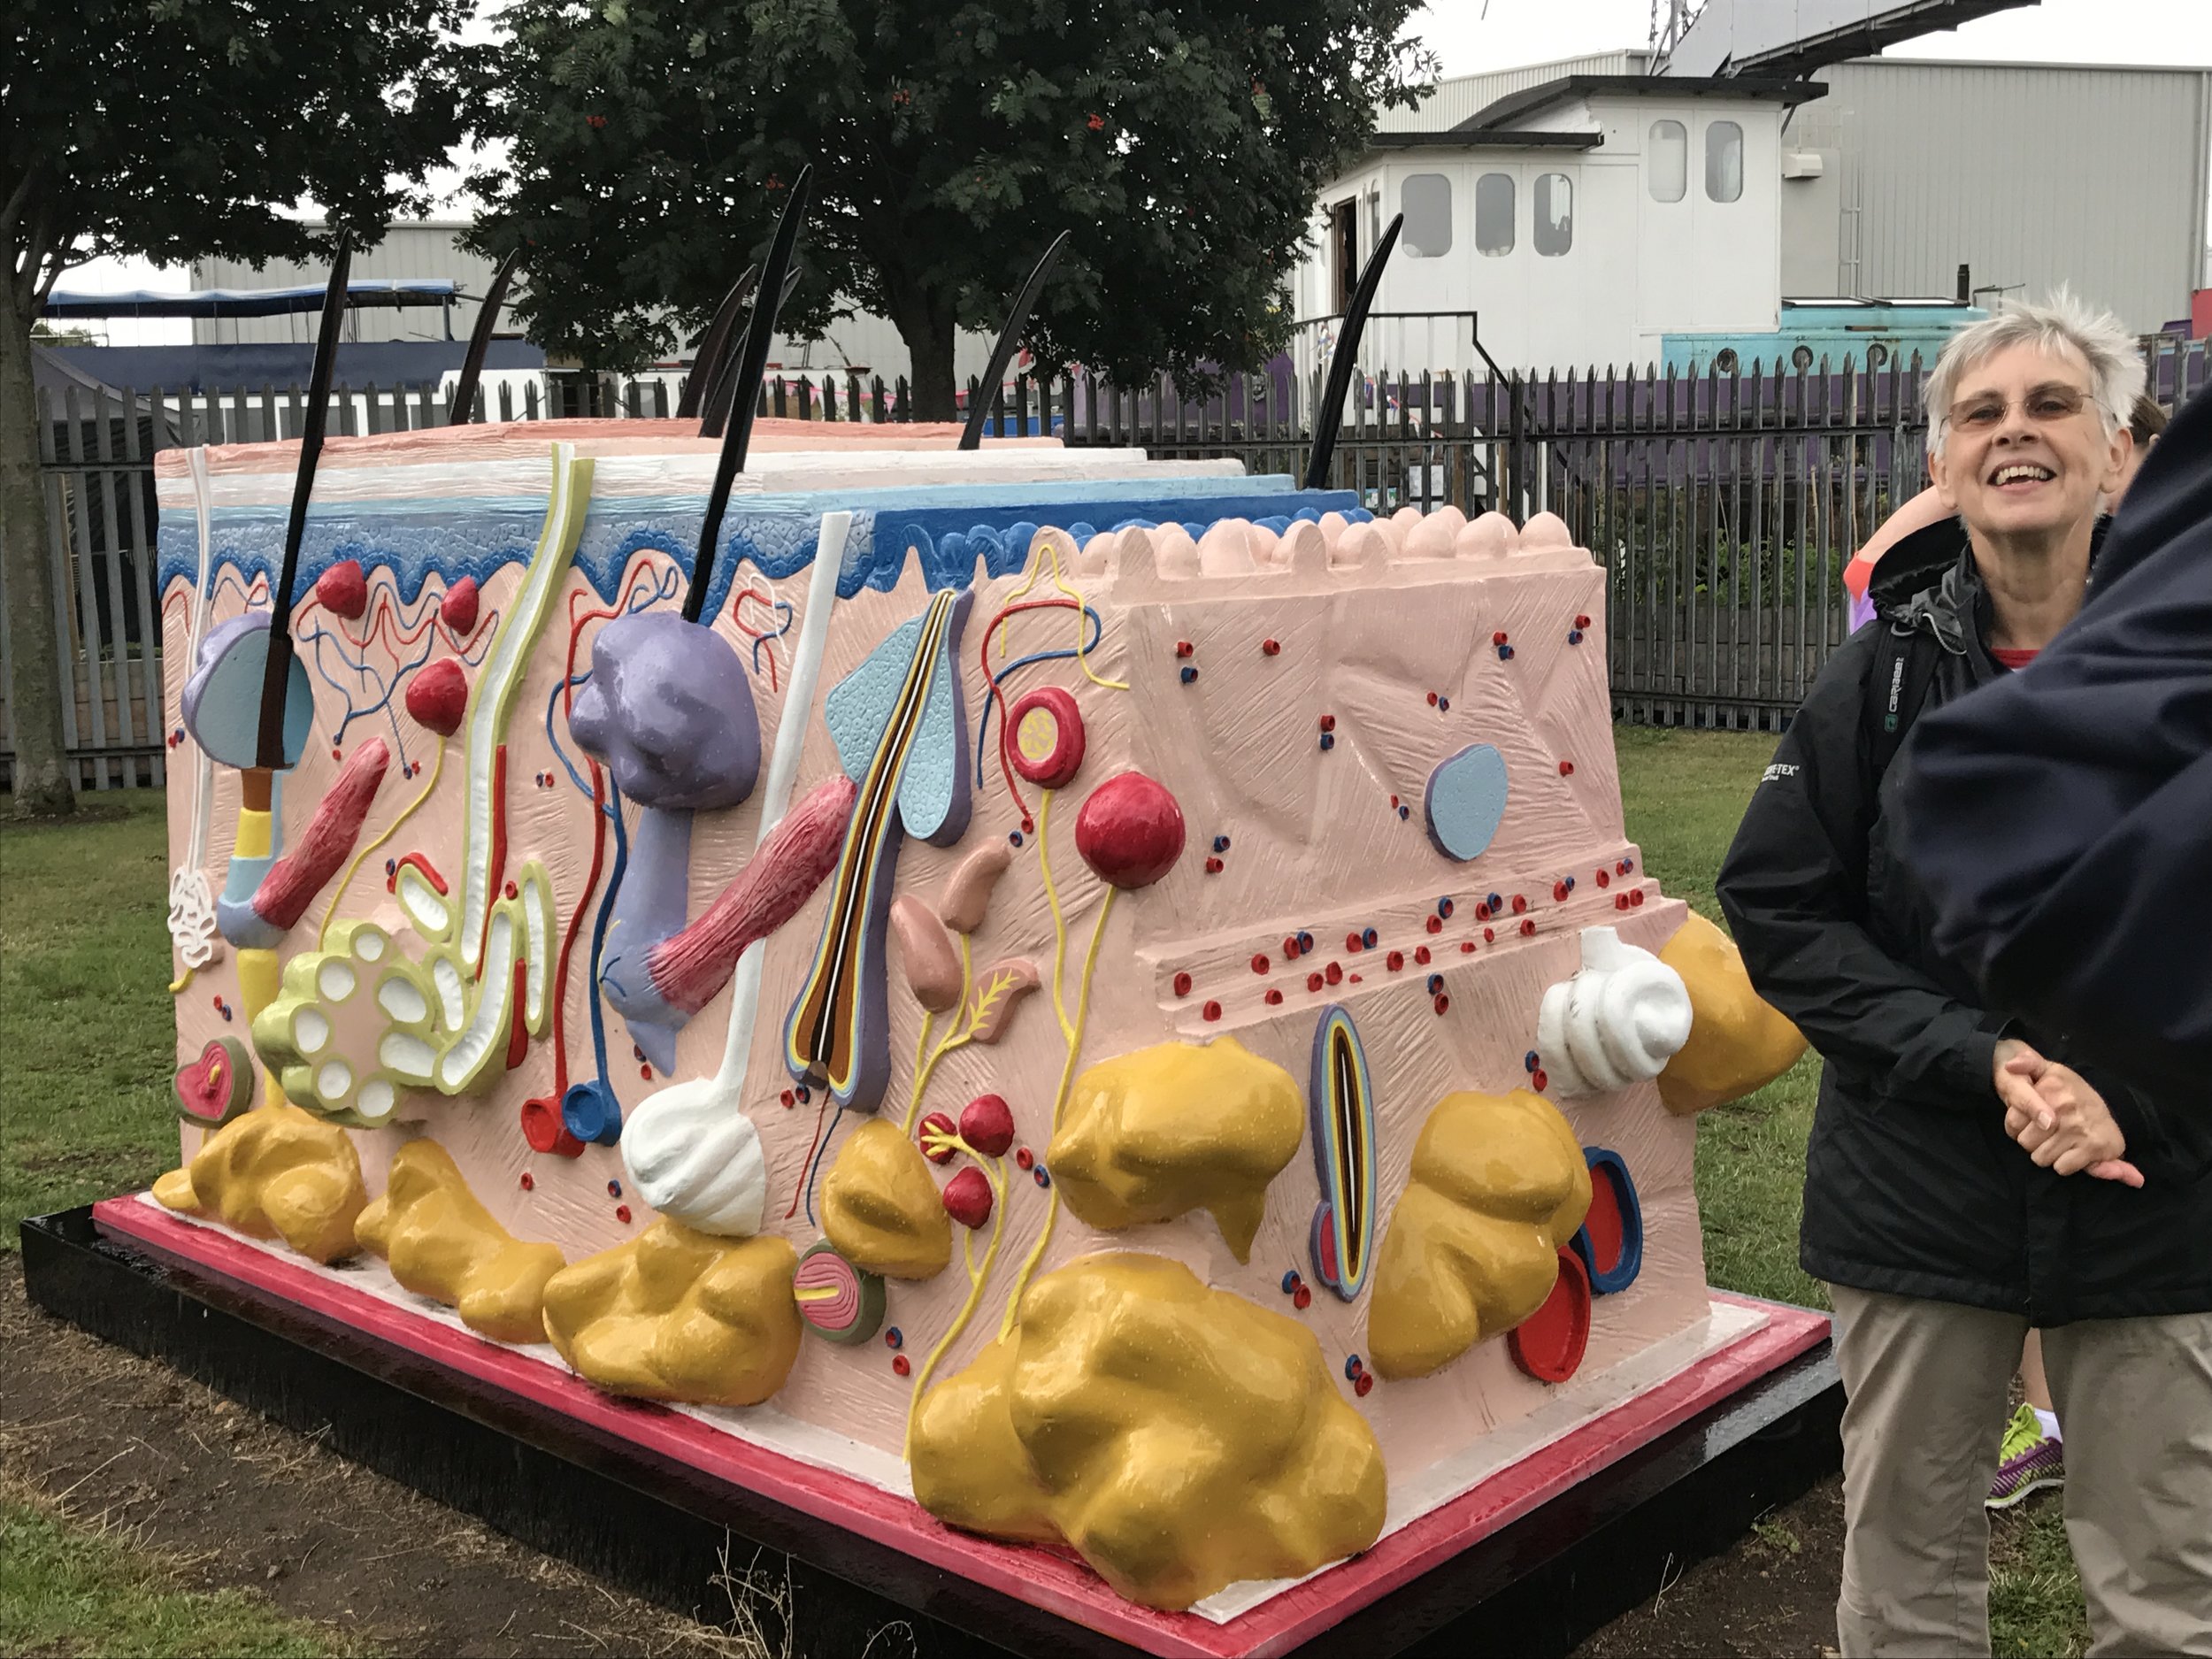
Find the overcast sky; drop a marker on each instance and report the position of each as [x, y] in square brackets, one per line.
[1469, 36]
[1474, 35]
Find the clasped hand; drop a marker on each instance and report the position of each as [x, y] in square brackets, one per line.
[2063, 1123]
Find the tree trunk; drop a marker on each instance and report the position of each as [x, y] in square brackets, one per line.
[35, 685]
[928, 336]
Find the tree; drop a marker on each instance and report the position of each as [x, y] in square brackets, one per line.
[175, 129]
[1181, 145]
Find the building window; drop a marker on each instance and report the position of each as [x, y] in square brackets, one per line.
[1670, 149]
[1494, 214]
[1425, 199]
[1554, 229]
[1724, 161]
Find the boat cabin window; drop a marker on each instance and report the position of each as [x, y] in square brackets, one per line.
[1425, 199]
[1553, 232]
[1494, 214]
[1724, 161]
[1667, 156]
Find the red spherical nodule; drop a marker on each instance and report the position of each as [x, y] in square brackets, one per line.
[1182, 985]
[1333, 974]
[1212, 1010]
[1302, 1298]
[458, 608]
[438, 696]
[344, 590]
[968, 1198]
[1361, 1382]
[933, 1132]
[1274, 998]
[1259, 962]
[1538, 1078]
[1421, 954]
[1130, 831]
[986, 1123]
[901, 1364]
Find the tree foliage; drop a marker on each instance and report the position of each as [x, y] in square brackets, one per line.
[1182, 144]
[177, 129]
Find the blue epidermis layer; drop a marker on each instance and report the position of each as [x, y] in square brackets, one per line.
[946, 527]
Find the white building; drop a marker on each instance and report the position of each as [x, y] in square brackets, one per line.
[1585, 211]
[1579, 222]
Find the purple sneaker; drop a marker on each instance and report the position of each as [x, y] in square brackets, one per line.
[2032, 1461]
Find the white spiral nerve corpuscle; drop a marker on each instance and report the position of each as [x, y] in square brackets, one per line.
[1617, 1021]
[691, 1157]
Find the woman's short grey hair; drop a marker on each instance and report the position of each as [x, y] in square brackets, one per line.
[2056, 325]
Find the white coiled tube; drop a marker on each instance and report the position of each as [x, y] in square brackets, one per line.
[1617, 1021]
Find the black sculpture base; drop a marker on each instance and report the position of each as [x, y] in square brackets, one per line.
[664, 1531]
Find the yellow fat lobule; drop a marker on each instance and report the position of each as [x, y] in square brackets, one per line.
[1738, 1042]
[1180, 1438]
[442, 1243]
[1176, 1127]
[679, 1315]
[880, 1208]
[1498, 1184]
[277, 1172]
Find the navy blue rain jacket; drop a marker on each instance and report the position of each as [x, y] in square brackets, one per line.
[2059, 821]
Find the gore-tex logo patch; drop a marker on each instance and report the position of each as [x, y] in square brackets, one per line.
[1780, 768]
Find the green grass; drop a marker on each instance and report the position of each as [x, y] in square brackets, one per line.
[66, 1589]
[86, 1018]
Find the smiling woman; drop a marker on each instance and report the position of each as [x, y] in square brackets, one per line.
[1942, 1241]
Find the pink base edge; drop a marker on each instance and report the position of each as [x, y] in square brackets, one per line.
[1058, 1584]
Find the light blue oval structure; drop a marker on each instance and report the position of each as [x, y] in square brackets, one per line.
[1464, 801]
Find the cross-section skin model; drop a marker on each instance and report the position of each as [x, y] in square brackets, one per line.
[1069, 902]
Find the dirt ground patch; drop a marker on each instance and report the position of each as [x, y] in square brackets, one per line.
[1773, 1593]
[129, 1445]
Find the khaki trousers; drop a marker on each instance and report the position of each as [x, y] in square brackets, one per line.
[1926, 1390]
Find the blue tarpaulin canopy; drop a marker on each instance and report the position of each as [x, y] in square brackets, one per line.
[377, 291]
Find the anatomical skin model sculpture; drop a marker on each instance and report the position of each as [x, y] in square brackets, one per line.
[1107, 1000]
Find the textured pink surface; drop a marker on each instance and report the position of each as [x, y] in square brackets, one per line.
[1041, 1578]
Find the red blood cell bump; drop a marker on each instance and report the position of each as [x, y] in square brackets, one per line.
[1130, 831]
[968, 1198]
[935, 1130]
[986, 1123]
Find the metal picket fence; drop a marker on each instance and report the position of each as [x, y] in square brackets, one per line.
[1724, 507]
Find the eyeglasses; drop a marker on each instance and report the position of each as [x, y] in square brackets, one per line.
[2045, 405]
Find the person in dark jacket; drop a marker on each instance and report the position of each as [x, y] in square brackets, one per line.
[1942, 1239]
[2063, 825]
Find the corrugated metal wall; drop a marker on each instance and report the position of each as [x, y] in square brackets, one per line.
[2029, 174]
[425, 249]
[1455, 100]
